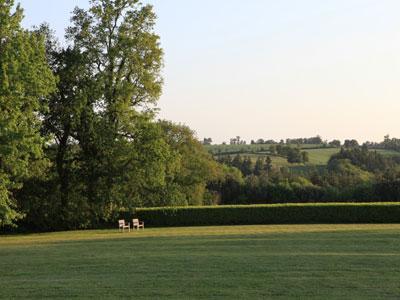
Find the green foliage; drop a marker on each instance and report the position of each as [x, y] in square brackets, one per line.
[335, 143]
[123, 58]
[228, 186]
[351, 144]
[192, 170]
[361, 157]
[246, 166]
[259, 166]
[107, 152]
[317, 213]
[317, 140]
[105, 148]
[294, 156]
[305, 158]
[390, 143]
[346, 173]
[25, 79]
[123, 52]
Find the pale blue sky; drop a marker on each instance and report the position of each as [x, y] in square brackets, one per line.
[272, 69]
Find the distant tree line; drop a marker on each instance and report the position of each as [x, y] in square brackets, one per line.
[237, 141]
[317, 140]
[353, 175]
[293, 154]
[263, 142]
[245, 164]
[388, 144]
[207, 141]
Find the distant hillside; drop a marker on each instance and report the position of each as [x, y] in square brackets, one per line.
[319, 154]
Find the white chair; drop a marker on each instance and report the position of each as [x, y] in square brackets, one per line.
[123, 226]
[136, 224]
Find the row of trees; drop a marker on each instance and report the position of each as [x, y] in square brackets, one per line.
[263, 142]
[293, 154]
[237, 141]
[388, 143]
[79, 138]
[245, 164]
[308, 141]
[317, 140]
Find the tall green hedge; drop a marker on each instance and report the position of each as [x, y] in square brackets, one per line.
[316, 213]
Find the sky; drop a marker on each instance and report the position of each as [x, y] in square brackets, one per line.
[272, 69]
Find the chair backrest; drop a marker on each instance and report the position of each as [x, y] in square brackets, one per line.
[135, 221]
[121, 223]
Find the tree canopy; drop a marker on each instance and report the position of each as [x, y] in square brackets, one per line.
[25, 80]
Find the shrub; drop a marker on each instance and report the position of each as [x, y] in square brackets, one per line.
[316, 213]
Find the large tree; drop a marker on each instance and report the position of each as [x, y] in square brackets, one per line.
[25, 79]
[108, 152]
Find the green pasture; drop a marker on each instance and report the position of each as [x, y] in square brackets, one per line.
[226, 149]
[255, 148]
[321, 156]
[387, 152]
[228, 262]
[317, 156]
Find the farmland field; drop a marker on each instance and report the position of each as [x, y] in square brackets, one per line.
[321, 156]
[318, 156]
[226, 149]
[244, 262]
[388, 152]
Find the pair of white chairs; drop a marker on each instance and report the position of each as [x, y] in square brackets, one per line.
[136, 224]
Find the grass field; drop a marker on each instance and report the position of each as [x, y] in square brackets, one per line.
[255, 148]
[321, 156]
[387, 152]
[247, 262]
[318, 156]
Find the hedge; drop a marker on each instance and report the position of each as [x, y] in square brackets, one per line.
[315, 213]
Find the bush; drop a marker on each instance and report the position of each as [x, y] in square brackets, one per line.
[316, 213]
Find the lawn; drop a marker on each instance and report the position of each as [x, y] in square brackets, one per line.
[246, 262]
